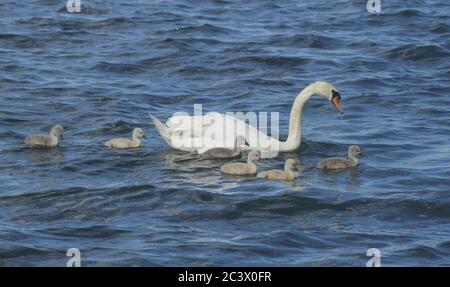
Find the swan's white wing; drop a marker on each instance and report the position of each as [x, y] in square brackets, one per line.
[191, 126]
[188, 132]
[230, 127]
[202, 133]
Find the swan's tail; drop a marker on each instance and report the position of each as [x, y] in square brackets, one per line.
[162, 129]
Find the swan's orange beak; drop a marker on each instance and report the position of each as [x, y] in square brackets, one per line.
[336, 100]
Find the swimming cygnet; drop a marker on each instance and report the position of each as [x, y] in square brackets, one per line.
[52, 140]
[221, 152]
[240, 168]
[289, 173]
[138, 133]
[340, 162]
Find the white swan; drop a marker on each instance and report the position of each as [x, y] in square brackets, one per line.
[202, 132]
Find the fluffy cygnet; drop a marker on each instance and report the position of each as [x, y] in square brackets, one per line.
[243, 168]
[52, 140]
[221, 152]
[340, 162]
[289, 173]
[135, 142]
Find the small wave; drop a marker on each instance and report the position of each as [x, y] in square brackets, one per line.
[119, 68]
[440, 28]
[168, 100]
[205, 28]
[120, 126]
[110, 22]
[23, 251]
[200, 70]
[12, 81]
[422, 251]
[367, 82]
[19, 41]
[12, 134]
[38, 22]
[267, 82]
[407, 13]
[165, 16]
[309, 40]
[96, 231]
[14, 120]
[156, 61]
[87, 25]
[290, 204]
[320, 42]
[181, 44]
[14, 68]
[364, 44]
[274, 61]
[444, 245]
[413, 52]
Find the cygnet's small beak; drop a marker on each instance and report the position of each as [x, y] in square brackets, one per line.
[144, 137]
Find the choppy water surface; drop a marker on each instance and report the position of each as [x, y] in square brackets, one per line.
[98, 73]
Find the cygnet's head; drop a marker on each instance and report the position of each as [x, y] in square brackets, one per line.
[291, 164]
[254, 155]
[353, 151]
[57, 131]
[138, 133]
[329, 92]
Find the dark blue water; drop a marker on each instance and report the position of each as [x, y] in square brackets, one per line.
[99, 72]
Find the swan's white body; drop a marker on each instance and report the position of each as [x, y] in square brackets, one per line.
[200, 133]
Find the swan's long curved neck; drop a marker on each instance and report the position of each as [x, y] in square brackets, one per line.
[295, 121]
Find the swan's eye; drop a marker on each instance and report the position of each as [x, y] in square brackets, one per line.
[335, 94]
[336, 100]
